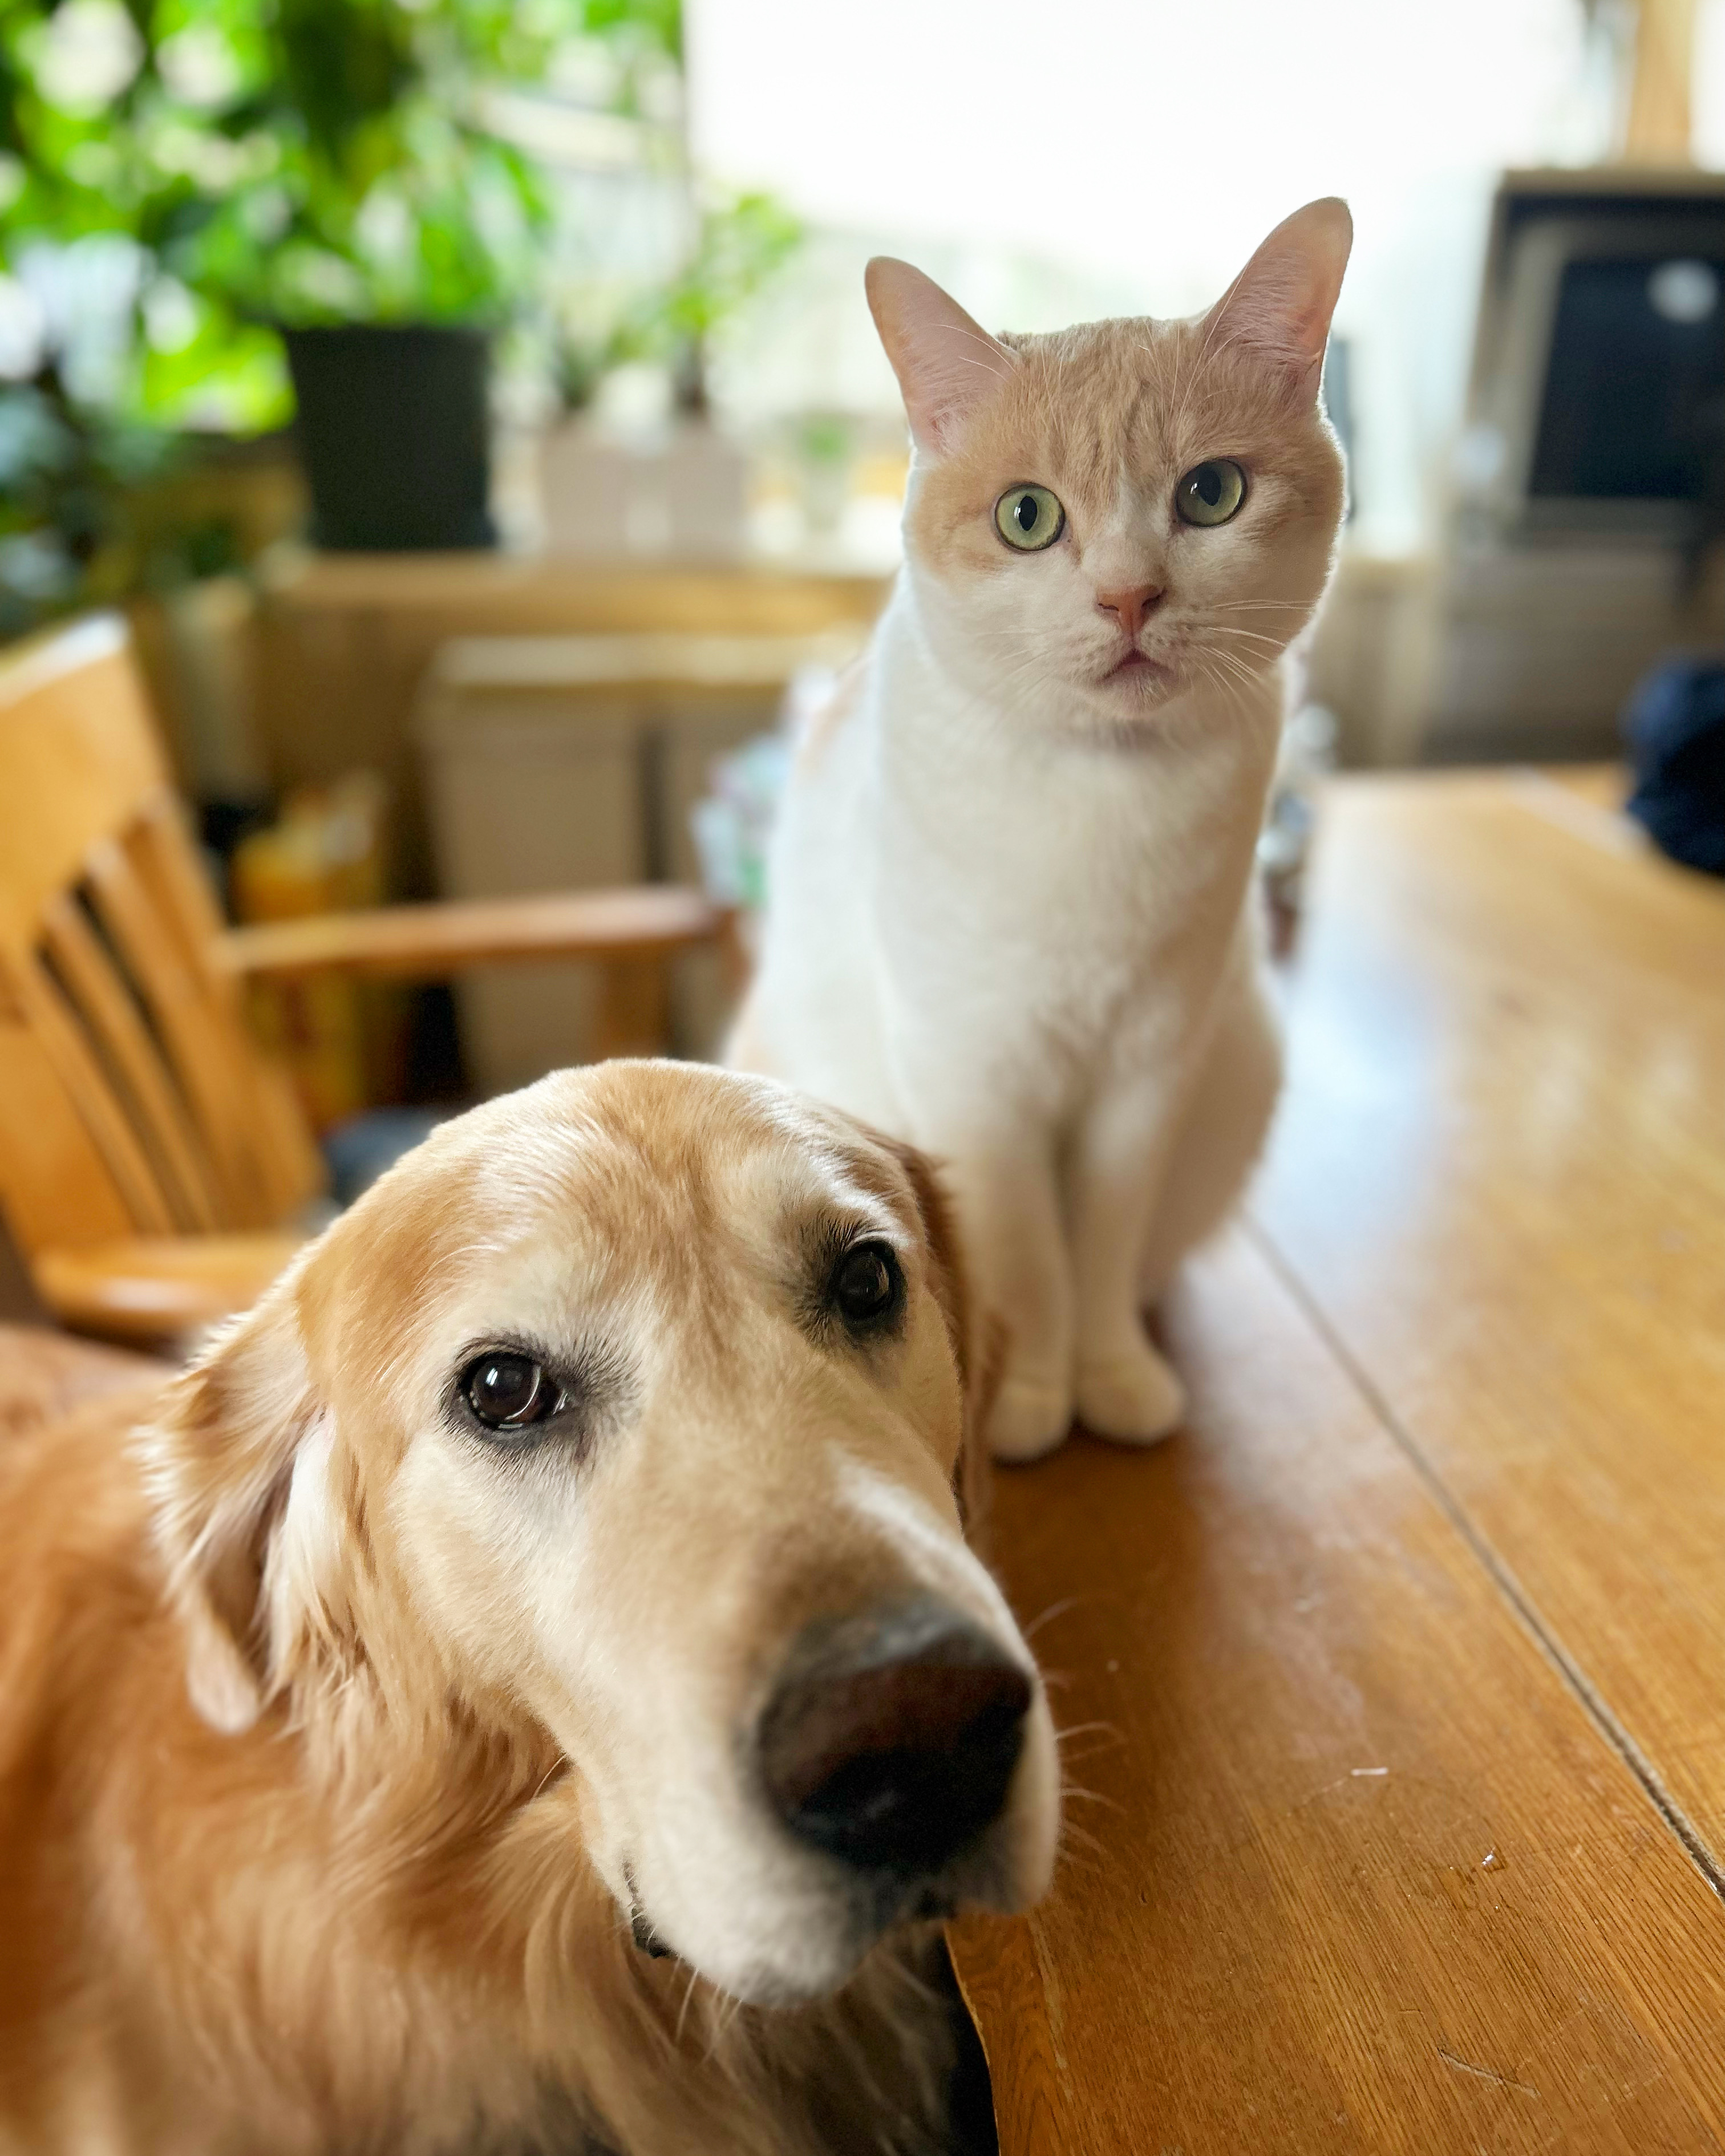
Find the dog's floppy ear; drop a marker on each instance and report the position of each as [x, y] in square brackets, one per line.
[974, 1331]
[218, 1459]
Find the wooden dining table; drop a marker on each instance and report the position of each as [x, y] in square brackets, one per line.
[1393, 1685]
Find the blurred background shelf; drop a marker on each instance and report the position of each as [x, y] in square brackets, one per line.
[345, 644]
[552, 761]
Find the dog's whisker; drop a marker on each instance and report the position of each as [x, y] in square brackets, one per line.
[1070, 1793]
[683, 2011]
[1082, 1853]
[553, 1772]
[1070, 1831]
[1055, 1609]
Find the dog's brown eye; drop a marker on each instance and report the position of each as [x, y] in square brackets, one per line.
[508, 1392]
[866, 1283]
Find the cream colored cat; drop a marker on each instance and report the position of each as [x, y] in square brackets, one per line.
[1009, 914]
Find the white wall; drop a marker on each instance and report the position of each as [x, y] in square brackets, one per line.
[1146, 145]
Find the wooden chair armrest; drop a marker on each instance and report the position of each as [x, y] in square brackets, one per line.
[154, 1288]
[430, 942]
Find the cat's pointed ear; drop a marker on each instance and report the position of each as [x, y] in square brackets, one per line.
[1280, 304]
[946, 363]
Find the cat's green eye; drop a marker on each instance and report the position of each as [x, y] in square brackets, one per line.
[1210, 493]
[1028, 518]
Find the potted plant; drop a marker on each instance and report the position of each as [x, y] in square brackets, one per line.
[683, 490]
[346, 174]
[110, 369]
[382, 221]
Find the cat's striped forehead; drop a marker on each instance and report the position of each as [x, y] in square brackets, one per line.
[1109, 415]
[1135, 397]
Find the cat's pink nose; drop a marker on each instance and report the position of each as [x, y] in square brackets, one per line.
[1132, 608]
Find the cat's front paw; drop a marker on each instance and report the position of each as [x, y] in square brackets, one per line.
[1030, 1417]
[1130, 1394]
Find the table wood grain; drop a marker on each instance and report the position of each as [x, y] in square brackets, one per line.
[1499, 1180]
[1392, 1685]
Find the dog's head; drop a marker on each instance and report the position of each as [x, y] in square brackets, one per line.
[631, 1408]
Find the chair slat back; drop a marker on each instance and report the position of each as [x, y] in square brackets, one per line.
[72, 1057]
[289, 1166]
[133, 1098]
[77, 755]
[52, 1166]
[78, 956]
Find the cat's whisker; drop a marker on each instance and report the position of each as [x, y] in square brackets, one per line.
[1235, 661]
[1227, 673]
[1241, 689]
[1245, 673]
[1027, 673]
[1254, 606]
[1273, 646]
[1030, 654]
[1200, 626]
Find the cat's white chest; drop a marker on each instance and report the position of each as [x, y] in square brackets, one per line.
[1060, 901]
[970, 911]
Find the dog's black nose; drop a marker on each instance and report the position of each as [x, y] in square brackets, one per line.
[891, 1739]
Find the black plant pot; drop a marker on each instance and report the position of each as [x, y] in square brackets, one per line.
[394, 432]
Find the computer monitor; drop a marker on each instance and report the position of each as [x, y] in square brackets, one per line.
[1597, 405]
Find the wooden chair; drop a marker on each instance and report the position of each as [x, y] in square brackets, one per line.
[153, 1157]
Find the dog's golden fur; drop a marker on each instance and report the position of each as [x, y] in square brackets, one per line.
[333, 1753]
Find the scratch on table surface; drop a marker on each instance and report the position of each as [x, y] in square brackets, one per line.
[1052, 1999]
[1341, 1782]
[1485, 2073]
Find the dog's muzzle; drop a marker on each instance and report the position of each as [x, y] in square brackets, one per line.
[891, 1739]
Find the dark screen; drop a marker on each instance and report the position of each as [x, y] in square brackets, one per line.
[1631, 396]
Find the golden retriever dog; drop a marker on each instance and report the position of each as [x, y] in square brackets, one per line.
[524, 1687]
